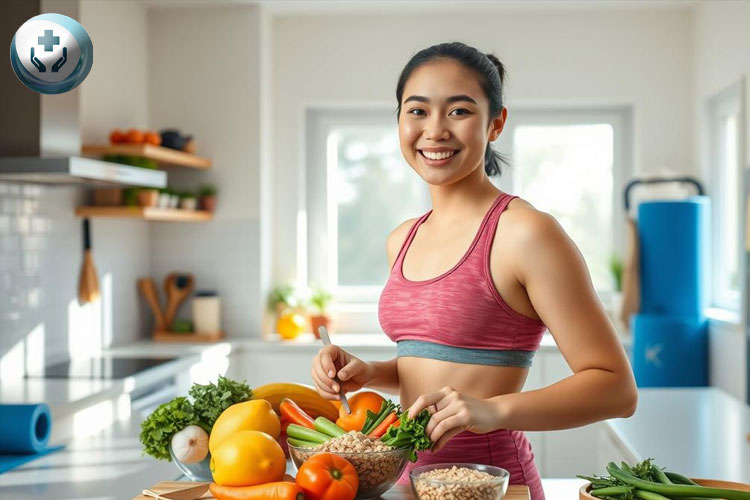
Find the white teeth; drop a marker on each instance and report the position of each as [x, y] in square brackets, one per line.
[438, 156]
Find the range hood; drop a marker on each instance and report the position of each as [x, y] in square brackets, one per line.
[77, 170]
[41, 137]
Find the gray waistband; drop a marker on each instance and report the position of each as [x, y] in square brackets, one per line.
[423, 349]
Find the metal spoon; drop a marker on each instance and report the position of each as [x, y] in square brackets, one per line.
[327, 341]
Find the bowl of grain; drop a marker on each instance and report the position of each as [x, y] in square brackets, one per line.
[378, 465]
[461, 481]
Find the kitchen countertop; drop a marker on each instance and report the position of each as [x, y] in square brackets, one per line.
[698, 432]
[109, 466]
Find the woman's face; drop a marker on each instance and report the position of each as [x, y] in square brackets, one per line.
[444, 112]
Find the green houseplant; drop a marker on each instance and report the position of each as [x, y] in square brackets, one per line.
[207, 197]
[319, 316]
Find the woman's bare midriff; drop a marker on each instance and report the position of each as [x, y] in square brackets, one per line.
[419, 376]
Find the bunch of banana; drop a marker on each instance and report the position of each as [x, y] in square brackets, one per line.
[307, 398]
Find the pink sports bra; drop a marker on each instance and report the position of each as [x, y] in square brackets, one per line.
[458, 316]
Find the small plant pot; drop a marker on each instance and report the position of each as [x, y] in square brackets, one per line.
[164, 199]
[174, 201]
[188, 203]
[318, 320]
[148, 197]
[208, 203]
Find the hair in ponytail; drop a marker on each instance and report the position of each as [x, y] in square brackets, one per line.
[491, 78]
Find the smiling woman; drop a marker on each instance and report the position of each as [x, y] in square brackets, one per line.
[474, 284]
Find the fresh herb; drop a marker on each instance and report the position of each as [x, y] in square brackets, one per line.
[373, 419]
[208, 402]
[211, 399]
[410, 433]
[157, 430]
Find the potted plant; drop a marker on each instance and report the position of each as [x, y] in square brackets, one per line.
[319, 316]
[148, 197]
[285, 302]
[207, 197]
[188, 200]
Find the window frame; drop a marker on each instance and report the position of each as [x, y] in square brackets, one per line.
[731, 100]
[619, 117]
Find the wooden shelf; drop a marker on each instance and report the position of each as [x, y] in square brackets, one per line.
[147, 213]
[164, 156]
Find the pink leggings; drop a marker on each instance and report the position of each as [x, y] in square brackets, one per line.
[502, 448]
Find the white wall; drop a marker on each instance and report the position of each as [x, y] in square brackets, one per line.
[722, 57]
[41, 247]
[204, 79]
[584, 56]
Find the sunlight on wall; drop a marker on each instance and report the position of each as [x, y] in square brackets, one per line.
[11, 364]
[107, 310]
[35, 359]
[84, 327]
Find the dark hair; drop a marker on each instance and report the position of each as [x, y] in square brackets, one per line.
[491, 74]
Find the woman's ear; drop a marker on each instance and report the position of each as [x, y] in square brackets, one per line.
[496, 126]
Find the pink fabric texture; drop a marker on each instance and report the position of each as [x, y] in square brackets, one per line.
[510, 450]
[462, 308]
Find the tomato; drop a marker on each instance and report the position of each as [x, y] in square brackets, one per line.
[327, 476]
[134, 136]
[359, 402]
[116, 136]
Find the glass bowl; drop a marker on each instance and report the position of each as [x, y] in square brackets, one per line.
[377, 470]
[428, 488]
[199, 471]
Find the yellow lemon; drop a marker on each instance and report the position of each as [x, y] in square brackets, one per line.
[290, 325]
[253, 415]
[248, 458]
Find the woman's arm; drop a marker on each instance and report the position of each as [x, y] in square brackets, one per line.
[384, 376]
[556, 279]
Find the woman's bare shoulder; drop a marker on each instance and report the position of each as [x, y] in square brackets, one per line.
[522, 221]
[397, 237]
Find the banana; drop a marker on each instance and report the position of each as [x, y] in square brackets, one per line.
[304, 396]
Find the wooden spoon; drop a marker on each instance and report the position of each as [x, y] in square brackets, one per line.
[178, 288]
[147, 287]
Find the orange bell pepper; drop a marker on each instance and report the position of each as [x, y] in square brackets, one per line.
[359, 402]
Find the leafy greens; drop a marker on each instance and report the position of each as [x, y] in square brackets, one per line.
[409, 433]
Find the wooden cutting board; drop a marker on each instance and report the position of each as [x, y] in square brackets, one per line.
[398, 492]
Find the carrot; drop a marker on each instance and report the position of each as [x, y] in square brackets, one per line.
[278, 490]
[295, 414]
[383, 426]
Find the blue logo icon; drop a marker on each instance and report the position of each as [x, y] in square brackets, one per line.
[51, 53]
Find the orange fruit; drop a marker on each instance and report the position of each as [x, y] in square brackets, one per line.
[247, 458]
[255, 415]
[116, 136]
[290, 325]
[134, 136]
[359, 403]
[152, 137]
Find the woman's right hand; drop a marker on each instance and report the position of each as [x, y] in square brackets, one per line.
[332, 361]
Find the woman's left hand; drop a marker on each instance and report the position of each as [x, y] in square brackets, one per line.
[454, 412]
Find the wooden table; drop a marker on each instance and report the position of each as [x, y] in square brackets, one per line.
[398, 492]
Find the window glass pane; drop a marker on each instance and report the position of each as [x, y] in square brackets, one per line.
[566, 170]
[730, 206]
[373, 190]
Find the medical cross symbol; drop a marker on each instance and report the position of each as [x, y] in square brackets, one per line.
[48, 40]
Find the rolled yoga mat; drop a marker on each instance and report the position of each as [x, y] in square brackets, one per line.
[674, 248]
[26, 431]
[669, 351]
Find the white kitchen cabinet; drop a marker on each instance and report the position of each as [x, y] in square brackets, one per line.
[611, 450]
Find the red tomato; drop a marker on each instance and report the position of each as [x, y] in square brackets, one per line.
[326, 476]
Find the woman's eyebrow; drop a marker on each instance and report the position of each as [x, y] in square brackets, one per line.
[454, 98]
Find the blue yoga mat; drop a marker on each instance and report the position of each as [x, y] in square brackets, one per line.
[674, 248]
[669, 351]
[26, 431]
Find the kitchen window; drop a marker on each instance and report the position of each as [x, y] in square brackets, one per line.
[725, 133]
[572, 164]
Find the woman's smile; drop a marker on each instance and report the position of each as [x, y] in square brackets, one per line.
[438, 157]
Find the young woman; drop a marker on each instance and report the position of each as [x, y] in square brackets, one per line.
[474, 284]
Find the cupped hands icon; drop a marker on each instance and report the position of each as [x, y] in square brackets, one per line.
[55, 67]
